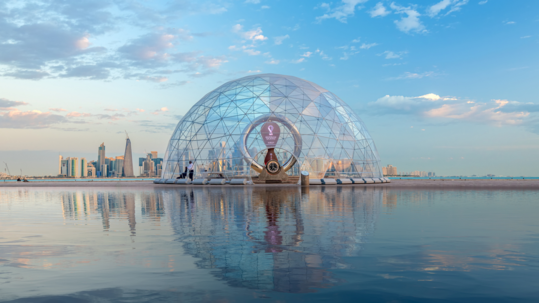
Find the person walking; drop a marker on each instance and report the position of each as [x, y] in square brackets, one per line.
[190, 168]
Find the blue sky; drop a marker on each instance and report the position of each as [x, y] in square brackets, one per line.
[448, 86]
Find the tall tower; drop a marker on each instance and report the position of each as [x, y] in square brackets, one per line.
[83, 167]
[100, 156]
[128, 158]
[60, 158]
[74, 169]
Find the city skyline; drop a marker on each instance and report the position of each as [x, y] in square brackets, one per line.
[443, 86]
[119, 166]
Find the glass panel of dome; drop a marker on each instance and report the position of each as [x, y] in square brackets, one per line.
[228, 111]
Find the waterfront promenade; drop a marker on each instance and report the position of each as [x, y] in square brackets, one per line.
[490, 184]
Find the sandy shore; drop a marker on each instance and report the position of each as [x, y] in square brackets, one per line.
[518, 184]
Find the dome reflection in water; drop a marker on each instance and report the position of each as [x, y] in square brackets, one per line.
[284, 240]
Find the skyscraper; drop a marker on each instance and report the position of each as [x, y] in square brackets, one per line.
[65, 167]
[74, 168]
[60, 158]
[128, 159]
[83, 167]
[100, 156]
[119, 167]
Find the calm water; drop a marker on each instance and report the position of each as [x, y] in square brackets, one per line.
[248, 244]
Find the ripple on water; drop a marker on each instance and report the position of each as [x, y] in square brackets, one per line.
[243, 243]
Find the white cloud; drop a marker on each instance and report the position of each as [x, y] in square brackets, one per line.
[393, 55]
[279, 40]
[408, 75]
[251, 52]
[158, 79]
[248, 49]
[483, 2]
[356, 40]
[8, 104]
[307, 54]
[237, 28]
[342, 12]
[436, 8]
[294, 28]
[486, 112]
[442, 5]
[265, 7]
[151, 47]
[367, 45]
[409, 23]
[78, 115]
[497, 112]
[298, 61]
[252, 1]
[434, 97]
[14, 118]
[273, 61]
[379, 10]
[525, 37]
[253, 35]
[323, 55]
[510, 22]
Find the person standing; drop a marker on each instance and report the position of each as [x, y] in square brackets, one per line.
[190, 168]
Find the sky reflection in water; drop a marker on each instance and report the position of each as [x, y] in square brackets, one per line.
[242, 244]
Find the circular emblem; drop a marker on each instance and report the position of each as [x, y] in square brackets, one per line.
[273, 167]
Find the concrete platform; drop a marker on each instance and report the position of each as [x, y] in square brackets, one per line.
[465, 184]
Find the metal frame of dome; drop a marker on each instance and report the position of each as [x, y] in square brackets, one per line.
[333, 138]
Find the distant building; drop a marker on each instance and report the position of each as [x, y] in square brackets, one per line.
[151, 165]
[104, 170]
[128, 160]
[90, 170]
[389, 170]
[148, 167]
[101, 157]
[73, 169]
[68, 167]
[119, 166]
[419, 174]
[111, 167]
[64, 164]
[83, 167]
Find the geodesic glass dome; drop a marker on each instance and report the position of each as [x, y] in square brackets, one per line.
[320, 133]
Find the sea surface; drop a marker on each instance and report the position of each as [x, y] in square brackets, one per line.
[245, 244]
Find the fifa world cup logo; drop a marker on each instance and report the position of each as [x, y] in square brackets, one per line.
[270, 132]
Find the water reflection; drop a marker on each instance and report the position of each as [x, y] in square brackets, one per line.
[282, 240]
[159, 242]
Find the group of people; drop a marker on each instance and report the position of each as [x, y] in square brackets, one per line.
[189, 171]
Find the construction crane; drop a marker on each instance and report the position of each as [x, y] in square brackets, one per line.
[7, 168]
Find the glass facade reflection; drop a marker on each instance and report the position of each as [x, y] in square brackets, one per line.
[221, 133]
[273, 240]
